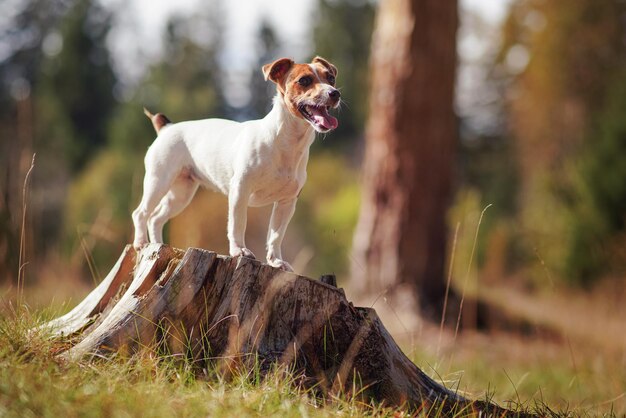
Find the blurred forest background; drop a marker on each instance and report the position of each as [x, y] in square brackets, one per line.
[540, 106]
[63, 98]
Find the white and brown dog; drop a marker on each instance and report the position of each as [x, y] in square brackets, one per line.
[254, 163]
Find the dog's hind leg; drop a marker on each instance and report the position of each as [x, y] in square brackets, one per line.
[177, 199]
[154, 188]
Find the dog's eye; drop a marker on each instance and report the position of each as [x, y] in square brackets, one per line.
[305, 81]
[331, 79]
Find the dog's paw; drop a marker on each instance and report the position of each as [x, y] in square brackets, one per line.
[139, 245]
[280, 264]
[241, 251]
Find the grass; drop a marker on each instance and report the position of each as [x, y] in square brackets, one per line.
[533, 374]
[570, 356]
[34, 383]
[567, 372]
[530, 373]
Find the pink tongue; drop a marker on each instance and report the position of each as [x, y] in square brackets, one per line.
[321, 117]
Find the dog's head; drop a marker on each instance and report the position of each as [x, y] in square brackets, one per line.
[308, 90]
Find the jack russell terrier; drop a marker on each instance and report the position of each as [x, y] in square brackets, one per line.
[254, 163]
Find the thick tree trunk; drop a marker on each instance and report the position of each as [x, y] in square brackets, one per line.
[400, 240]
[224, 312]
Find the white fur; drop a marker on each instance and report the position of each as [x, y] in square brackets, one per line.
[254, 163]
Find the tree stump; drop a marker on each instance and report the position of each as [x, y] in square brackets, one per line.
[226, 312]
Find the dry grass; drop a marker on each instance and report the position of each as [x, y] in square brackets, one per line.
[592, 318]
[35, 383]
[569, 353]
[576, 368]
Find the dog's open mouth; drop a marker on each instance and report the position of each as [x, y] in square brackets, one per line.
[319, 117]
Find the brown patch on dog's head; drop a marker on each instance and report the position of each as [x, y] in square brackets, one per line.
[307, 90]
[277, 70]
[326, 64]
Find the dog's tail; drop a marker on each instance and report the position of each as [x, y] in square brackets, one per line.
[158, 121]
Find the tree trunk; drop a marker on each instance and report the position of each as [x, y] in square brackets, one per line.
[223, 313]
[400, 240]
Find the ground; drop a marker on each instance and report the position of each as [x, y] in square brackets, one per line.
[569, 354]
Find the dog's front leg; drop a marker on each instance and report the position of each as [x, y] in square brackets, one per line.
[281, 215]
[237, 219]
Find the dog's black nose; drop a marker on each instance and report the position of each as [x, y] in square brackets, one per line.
[334, 94]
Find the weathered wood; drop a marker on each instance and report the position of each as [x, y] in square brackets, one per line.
[230, 313]
[97, 300]
[121, 323]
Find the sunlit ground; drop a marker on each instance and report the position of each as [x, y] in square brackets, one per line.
[567, 351]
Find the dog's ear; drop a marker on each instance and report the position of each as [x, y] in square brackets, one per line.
[277, 70]
[331, 68]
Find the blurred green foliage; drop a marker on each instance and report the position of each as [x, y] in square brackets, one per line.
[563, 63]
[342, 33]
[187, 84]
[99, 202]
[76, 91]
[327, 212]
[261, 91]
[490, 177]
[598, 211]
[57, 83]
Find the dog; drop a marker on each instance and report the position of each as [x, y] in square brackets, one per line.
[254, 163]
